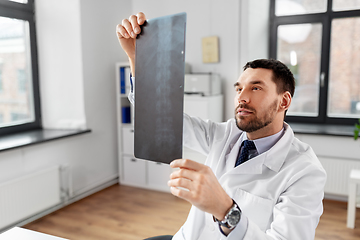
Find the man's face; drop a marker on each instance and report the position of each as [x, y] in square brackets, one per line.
[256, 100]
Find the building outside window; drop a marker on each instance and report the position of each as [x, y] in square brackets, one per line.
[319, 40]
[19, 90]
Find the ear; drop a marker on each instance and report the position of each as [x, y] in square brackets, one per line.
[285, 101]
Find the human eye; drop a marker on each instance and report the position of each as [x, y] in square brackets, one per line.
[255, 88]
[238, 89]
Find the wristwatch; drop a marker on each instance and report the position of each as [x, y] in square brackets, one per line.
[232, 217]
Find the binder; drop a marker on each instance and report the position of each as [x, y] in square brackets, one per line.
[122, 80]
[125, 113]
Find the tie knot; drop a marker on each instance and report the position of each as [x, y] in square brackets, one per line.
[249, 145]
[244, 153]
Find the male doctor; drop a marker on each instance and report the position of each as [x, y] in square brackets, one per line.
[258, 181]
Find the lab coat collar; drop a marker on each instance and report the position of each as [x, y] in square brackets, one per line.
[275, 156]
[273, 159]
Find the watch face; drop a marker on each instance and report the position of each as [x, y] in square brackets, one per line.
[234, 217]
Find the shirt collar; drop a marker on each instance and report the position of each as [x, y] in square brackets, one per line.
[265, 143]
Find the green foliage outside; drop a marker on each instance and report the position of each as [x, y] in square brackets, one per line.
[356, 131]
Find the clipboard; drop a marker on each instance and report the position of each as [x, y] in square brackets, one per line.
[159, 89]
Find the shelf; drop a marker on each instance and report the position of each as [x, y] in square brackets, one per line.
[37, 136]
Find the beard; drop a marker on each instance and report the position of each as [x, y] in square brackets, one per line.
[258, 122]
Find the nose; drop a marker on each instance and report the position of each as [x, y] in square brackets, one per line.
[243, 97]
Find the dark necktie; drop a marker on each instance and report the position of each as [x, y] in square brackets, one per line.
[244, 155]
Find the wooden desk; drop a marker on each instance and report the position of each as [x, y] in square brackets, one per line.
[17, 233]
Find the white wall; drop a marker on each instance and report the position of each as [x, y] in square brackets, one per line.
[77, 50]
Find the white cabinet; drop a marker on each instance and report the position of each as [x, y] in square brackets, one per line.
[134, 171]
[128, 140]
[158, 175]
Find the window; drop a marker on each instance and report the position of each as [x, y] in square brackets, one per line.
[319, 41]
[19, 88]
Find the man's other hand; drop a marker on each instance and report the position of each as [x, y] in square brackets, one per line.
[197, 184]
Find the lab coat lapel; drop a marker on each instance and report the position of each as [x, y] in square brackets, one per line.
[228, 146]
[252, 166]
[277, 154]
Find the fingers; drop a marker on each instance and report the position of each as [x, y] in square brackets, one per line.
[186, 163]
[181, 193]
[135, 28]
[183, 173]
[141, 18]
[130, 28]
[121, 31]
[181, 183]
[182, 187]
[184, 183]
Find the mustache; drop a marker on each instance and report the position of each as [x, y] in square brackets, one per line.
[245, 106]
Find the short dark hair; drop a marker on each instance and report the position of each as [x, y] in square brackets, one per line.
[282, 76]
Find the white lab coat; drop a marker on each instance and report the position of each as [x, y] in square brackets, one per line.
[280, 192]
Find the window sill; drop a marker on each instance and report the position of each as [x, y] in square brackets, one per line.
[32, 137]
[322, 129]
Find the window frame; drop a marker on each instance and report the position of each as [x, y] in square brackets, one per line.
[325, 19]
[25, 12]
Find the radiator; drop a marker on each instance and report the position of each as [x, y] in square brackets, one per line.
[338, 171]
[29, 194]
